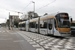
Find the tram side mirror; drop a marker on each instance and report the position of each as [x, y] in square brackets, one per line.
[71, 19]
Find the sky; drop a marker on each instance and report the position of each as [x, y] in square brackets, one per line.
[41, 7]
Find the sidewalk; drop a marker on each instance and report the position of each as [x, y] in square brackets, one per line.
[8, 41]
[12, 28]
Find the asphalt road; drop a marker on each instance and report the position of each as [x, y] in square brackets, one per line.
[22, 40]
[10, 40]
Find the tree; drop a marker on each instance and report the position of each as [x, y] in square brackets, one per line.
[16, 23]
[45, 14]
[31, 15]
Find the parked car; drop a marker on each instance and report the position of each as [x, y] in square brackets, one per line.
[73, 28]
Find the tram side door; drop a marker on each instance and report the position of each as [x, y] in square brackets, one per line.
[27, 25]
[50, 26]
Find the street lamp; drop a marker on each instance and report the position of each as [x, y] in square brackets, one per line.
[33, 8]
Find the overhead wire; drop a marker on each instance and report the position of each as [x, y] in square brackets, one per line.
[46, 5]
[26, 6]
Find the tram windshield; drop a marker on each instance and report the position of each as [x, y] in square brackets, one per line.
[63, 20]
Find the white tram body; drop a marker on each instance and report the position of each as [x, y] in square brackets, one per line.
[22, 25]
[57, 24]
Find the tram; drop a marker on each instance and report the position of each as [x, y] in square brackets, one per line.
[57, 24]
[22, 25]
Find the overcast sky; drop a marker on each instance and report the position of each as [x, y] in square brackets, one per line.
[20, 5]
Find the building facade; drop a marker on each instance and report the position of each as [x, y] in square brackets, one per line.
[13, 18]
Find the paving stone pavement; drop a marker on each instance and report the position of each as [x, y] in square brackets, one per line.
[42, 42]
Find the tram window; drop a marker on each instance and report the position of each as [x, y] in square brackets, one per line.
[36, 26]
[45, 25]
[55, 23]
[20, 25]
[23, 25]
[32, 25]
[50, 22]
[50, 26]
[29, 25]
[41, 24]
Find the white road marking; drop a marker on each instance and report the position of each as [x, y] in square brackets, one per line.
[36, 45]
[43, 42]
[12, 33]
[55, 40]
[32, 42]
[68, 47]
[61, 42]
[40, 49]
[3, 35]
[7, 31]
[3, 31]
[39, 40]
[51, 43]
[55, 49]
[18, 41]
[57, 46]
[0, 31]
[68, 43]
[5, 39]
[70, 40]
[47, 46]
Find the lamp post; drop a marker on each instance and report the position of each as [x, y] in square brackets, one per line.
[9, 21]
[33, 8]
